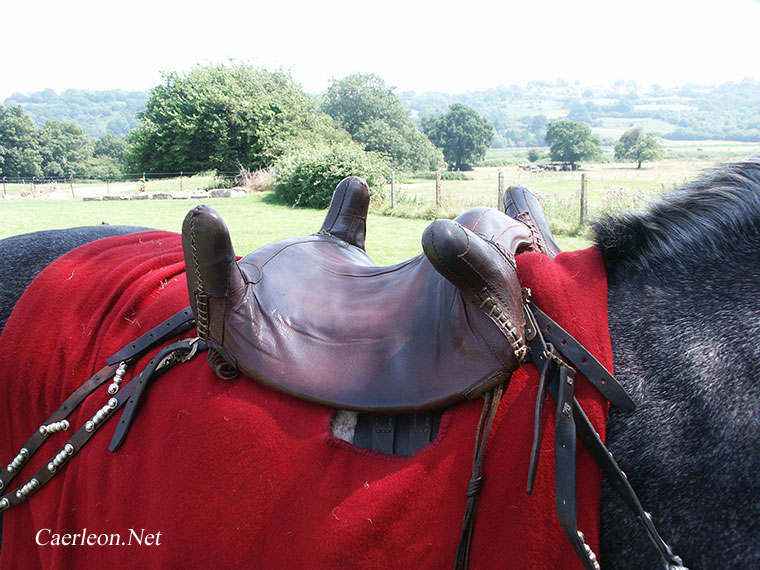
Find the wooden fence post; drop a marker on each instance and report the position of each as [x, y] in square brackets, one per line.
[393, 189]
[501, 190]
[180, 181]
[437, 188]
[584, 205]
[3, 185]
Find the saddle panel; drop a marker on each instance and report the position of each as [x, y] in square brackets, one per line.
[320, 321]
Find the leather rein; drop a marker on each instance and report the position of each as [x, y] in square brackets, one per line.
[550, 347]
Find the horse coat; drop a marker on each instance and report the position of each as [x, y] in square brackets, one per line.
[234, 474]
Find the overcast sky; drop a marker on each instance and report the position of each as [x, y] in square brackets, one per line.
[420, 46]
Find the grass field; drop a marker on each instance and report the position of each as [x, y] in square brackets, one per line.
[256, 219]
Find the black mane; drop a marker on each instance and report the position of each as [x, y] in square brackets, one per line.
[711, 218]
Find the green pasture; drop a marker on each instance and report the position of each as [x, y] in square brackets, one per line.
[393, 233]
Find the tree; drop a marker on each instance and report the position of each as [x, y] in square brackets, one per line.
[365, 106]
[570, 142]
[19, 144]
[637, 146]
[462, 134]
[220, 117]
[65, 149]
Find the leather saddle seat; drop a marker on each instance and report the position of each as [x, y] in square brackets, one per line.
[314, 317]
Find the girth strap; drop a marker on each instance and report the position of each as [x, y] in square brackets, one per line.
[572, 420]
[58, 422]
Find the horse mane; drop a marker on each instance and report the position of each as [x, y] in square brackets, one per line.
[714, 217]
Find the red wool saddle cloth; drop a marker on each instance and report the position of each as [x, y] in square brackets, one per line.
[235, 475]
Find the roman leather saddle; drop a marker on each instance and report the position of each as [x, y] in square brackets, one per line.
[314, 317]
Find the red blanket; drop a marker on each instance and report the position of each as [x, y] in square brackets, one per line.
[230, 474]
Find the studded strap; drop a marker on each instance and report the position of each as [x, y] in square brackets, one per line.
[58, 422]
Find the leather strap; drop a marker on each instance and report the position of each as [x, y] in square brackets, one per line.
[572, 420]
[177, 323]
[57, 421]
[584, 361]
[166, 358]
[491, 402]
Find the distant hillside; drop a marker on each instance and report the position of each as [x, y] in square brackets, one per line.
[519, 114]
[97, 112]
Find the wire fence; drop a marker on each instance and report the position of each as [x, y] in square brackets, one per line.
[34, 185]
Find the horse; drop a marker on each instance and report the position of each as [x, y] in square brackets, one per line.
[683, 283]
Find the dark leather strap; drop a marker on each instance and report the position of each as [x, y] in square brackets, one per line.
[584, 361]
[177, 323]
[569, 409]
[38, 438]
[57, 421]
[167, 357]
[491, 402]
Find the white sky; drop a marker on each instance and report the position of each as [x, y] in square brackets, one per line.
[436, 45]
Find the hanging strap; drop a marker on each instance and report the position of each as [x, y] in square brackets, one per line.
[167, 357]
[491, 400]
[570, 421]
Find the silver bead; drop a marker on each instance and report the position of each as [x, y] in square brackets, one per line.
[65, 425]
[587, 547]
[43, 430]
[581, 536]
[100, 415]
[1, 484]
[89, 426]
[4, 504]
[112, 403]
[10, 469]
[113, 388]
[24, 452]
[69, 449]
[51, 467]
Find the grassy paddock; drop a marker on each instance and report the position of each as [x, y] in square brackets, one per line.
[394, 235]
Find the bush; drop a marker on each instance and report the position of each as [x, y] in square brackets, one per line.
[534, 155]
[308, 177]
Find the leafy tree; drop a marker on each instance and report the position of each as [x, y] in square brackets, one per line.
[112, 146]
[461, 133]
[534, 155]
[19, 144]
[221, 117]
[65, 149]
[375, 118]
[570, 142]
[637, 146]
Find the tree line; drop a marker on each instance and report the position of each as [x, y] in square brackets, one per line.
[228, 118]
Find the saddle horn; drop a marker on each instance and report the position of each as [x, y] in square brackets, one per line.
[522, 205]
[483, 268]
[347, 216]
[213, 278]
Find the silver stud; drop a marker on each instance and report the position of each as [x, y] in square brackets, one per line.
[113, 388]
[69, 449]
[100, 415]
[1, 484]
[43, 430]
[51, 467]
[4, 504]
[24, 452]
[10, 469]
[566, 409]
[89, 426]
[581, 536]
[112, 403]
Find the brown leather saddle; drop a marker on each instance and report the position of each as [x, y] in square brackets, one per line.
[314, 317]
